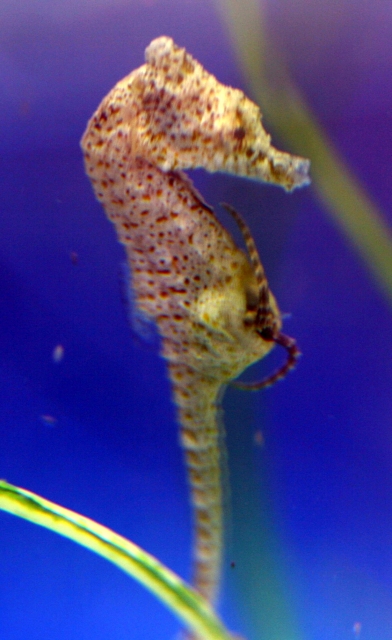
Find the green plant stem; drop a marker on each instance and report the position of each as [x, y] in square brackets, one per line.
[286, 110]
[180, 598]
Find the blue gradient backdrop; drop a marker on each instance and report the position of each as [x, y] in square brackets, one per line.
[324, 475]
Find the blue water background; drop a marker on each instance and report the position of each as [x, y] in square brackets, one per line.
[324, 474]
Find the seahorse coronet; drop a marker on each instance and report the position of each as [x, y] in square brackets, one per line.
[204, 294]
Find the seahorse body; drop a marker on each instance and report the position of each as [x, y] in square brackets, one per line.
[188, 275]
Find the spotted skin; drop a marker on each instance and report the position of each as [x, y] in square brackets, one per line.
[188, 276]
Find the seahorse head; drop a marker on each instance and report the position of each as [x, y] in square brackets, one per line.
[172, 111]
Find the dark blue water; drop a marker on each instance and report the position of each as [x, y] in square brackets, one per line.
[311, 522]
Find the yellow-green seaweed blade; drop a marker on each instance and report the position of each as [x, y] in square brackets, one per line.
[287, 112]
[183, 601]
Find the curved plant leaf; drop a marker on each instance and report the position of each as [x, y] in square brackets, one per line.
[183, 601]
[286, 110]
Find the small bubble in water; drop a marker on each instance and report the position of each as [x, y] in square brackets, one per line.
[49, 420]
[258, 438]
[58, 353]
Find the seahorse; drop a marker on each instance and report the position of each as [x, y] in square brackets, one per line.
[210, 301]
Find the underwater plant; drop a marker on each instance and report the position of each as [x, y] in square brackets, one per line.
[342, 195]
[188, 605]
